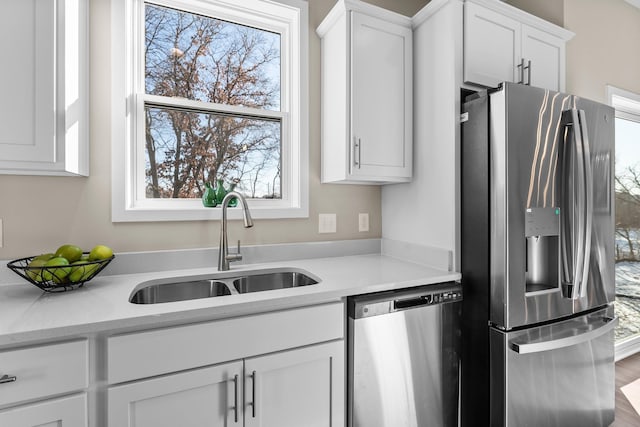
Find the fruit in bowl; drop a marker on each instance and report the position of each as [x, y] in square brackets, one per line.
[71, 253]
[100, 252]
[65, 267]
[56, 274]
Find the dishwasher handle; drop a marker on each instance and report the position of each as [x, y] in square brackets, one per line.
[401, 304]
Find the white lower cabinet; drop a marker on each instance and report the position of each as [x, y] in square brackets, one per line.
[299, 387]
[277, 369]
[201, 397]
[302, 387]
[42, 373]
[65, 412]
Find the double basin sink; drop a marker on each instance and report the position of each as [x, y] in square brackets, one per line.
[219, 284]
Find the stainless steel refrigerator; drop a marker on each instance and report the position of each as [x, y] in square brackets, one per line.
[537, 226]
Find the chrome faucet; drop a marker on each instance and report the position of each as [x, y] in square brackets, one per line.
[224, 257]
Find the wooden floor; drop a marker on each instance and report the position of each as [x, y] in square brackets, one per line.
[627, 370]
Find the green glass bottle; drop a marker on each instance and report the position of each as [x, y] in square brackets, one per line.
[209, 196]
[233, 202]
[220, 191]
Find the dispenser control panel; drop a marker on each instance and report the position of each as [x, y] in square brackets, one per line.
[542, 221]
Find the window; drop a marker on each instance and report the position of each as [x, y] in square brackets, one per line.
[211, 89]
[627, 232]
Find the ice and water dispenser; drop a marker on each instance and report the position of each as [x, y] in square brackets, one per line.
[542, 233]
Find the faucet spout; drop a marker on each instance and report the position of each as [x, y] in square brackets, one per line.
[224, 257]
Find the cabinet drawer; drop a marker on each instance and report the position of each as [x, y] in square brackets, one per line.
[44, 371]
[68, 411]
[157, 352]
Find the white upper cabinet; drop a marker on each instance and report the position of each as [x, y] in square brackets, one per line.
[44, 109]
[502, 43]
[366, 95]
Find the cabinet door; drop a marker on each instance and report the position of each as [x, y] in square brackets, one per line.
[202, 397]
[492, 47]
[381, 98]
[44, 108]
[302, 387]
[66, 412]
[546, 53]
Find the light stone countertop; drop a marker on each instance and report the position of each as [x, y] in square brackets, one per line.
[28, 314]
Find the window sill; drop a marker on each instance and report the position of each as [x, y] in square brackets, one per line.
[144, 214]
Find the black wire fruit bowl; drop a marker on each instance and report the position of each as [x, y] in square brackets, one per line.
[58, 278]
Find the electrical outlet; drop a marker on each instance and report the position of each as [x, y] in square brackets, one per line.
[363, 222]
[326, 223]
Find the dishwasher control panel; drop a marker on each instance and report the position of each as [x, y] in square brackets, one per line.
[391, 301]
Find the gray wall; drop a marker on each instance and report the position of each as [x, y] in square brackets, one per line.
[549, 10]
[605, 50]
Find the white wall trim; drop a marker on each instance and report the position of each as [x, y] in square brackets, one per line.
[627, 348]
[626, 103]
[126, 204]
[627, 106]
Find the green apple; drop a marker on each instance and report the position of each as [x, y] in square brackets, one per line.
[33, 271]
[72, 253]
[89, 270]
[56, 274]
[100, 252]
[78, 270]
[45, 257]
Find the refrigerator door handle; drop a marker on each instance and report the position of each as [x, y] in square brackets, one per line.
[576, 205]
[524, 347]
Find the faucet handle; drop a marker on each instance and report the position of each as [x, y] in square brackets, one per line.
[235, 257]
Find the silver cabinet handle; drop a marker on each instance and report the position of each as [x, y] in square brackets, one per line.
[8, 379]
[521, 71]
[357, 150]
[235, 397]
[253, 394]
[521, 68]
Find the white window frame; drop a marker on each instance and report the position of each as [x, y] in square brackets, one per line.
[627, 106]
[287, 17]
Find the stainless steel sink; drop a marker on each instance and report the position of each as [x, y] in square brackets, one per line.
[179, 291]
[221, 284]
[271, 281]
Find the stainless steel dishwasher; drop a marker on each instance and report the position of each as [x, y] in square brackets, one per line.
[403, 357]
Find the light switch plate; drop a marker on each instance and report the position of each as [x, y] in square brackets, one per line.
[326, 223]
[363, 222]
